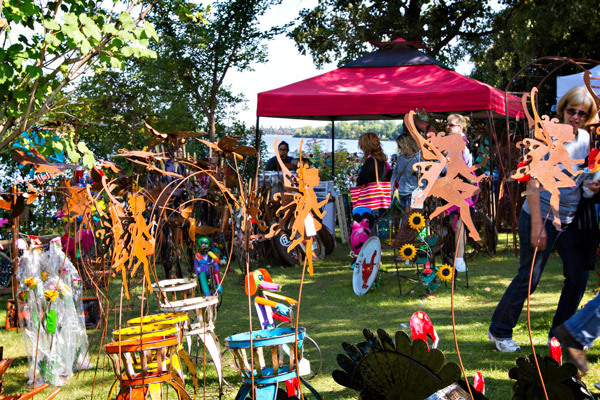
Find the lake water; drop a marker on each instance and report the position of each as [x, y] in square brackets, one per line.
[389, 146]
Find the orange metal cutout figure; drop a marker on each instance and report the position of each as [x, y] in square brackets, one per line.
[445, 152]
[302, 206]
[546, 156]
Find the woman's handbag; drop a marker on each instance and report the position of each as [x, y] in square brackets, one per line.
[374, 195]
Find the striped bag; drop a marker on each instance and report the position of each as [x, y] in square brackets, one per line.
[374, 195]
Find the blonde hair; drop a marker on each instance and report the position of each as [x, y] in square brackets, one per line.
[578, 95]
[370, 145]
[462, 121]
[407, 145]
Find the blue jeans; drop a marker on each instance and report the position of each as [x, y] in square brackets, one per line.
[585, 325]
[509, 308]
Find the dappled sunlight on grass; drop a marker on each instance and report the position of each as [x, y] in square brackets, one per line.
[332, 314]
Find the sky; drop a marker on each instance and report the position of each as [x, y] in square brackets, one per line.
[285, 66]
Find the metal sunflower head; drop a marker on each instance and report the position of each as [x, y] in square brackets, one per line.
[416, 221]
[444, 273]
[408, 252]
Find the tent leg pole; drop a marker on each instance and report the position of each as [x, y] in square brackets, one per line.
[257, 136]
[492, 133]
[332, 150]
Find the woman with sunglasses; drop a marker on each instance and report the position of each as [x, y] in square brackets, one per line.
[578, 109]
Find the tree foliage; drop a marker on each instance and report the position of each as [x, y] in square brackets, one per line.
[339, 30]
[534, 29]
[386, 130]
[194, 58]
[183, 88]
[48, 45]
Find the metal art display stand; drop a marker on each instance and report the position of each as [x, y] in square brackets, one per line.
[202, 312]
[271, 352]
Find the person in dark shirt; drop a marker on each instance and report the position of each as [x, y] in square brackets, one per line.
[372, 154]
[273, 165]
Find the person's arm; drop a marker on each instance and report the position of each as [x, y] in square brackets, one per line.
[395, 175]
[538, 231]
[367, 172]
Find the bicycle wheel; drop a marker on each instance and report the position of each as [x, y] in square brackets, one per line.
[327, 239]
[281, 242]
[312, 352]
[318, 249]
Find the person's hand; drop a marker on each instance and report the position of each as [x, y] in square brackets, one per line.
[538, 236]
[594, 186]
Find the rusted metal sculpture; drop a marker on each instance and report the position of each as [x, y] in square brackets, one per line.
[384, 368]
[302, 207]
[546, 156]
[444, 152]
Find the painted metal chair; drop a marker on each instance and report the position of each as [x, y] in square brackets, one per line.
[163, 323]
[203, 313]
[143, 366]
[274, 363]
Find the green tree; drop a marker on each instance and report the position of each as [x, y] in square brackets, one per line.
[533, 29]
[49, 45]
[339, 30]
[194, 58]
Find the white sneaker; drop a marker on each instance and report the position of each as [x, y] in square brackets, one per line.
[460, 265]
[504, 345]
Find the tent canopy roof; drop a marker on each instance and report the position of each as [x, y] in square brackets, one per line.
[385, 84]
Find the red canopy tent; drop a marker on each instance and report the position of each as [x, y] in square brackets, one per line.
[385, 85]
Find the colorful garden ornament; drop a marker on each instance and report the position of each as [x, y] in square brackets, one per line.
[366, 266]
[417, 372]
[422, 328]
[206, 266]
[52, 314]
[300, 212]
[361, 232]
[546, 156]
[441, 151]
[273, 365]
[259, 283]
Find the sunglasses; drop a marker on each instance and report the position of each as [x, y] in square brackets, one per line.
[572, 111]
[451, 125]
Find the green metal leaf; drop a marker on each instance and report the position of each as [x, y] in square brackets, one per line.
[51, 321]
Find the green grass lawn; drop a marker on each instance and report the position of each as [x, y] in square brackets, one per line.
[332, 314]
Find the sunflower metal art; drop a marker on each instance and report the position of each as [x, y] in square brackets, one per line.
[408, 252]
[444, 274]
[416, 221]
